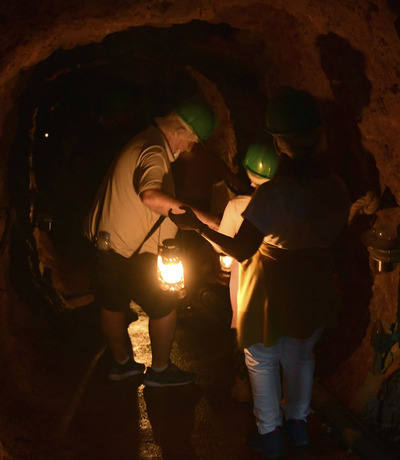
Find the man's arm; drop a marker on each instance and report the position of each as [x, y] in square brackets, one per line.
[241, 247]
[160, 203]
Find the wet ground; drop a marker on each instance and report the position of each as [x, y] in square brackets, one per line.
[104, 420]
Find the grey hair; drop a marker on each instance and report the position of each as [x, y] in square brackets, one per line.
[174, 124]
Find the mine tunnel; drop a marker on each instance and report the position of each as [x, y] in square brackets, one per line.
[78, 81]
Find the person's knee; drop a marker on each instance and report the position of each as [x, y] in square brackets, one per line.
[298, 350]
[111, 313]
[159, 311]
[261, 358]
[113, 322]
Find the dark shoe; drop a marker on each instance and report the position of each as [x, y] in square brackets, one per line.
[171, 376]
[123, 371]
[297, 432]
[270, 444]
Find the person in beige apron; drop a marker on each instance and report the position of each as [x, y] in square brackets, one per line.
[287, 291]
[260, 163]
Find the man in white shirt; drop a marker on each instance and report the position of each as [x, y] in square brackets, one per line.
[137, 189]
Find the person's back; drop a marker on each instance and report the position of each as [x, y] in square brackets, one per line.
[300, 211]
[118, 208]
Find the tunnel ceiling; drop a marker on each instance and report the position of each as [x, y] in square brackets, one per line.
[278, 39]
[144, 71]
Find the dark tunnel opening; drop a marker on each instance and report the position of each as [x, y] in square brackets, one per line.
[78, 109]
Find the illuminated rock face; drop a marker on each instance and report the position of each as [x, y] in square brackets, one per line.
[345, 53]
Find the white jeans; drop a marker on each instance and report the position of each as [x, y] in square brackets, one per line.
[263, 363]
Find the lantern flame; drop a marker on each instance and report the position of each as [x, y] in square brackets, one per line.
[170, 272]
[226, 262]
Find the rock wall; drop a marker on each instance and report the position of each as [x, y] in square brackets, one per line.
[346, 53]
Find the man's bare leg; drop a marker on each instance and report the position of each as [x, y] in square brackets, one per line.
[114, 326]
[162, 332]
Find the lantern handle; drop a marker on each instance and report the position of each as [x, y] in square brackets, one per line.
[151, 231]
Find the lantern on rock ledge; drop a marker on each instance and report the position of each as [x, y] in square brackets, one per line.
[170, 267]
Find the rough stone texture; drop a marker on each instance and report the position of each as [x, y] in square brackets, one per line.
[383, 410]
[346, 53]
[3, 453]
[353, 381]
[223, 139]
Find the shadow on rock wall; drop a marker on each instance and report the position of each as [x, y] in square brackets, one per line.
[394, 5]
[351, 90]
[344, 67]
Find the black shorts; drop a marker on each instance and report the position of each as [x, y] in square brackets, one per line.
[117, 280]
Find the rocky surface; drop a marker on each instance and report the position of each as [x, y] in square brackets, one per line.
[346, 53]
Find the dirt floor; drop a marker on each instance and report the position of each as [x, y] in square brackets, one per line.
[88, 417]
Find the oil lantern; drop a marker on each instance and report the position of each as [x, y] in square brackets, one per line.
[225, 262]
[170, 267]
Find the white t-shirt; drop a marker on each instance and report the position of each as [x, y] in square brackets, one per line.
[144, 163]
[232, 218]
[298, 215]
[230, 223]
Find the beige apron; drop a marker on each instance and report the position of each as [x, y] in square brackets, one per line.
[285, 294]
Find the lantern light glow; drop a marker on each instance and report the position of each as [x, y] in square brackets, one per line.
[171, 270]
[170, 267]
[225, 262]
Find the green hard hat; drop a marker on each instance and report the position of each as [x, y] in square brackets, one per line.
[261, 160]
[199, 116]
[292, 112]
